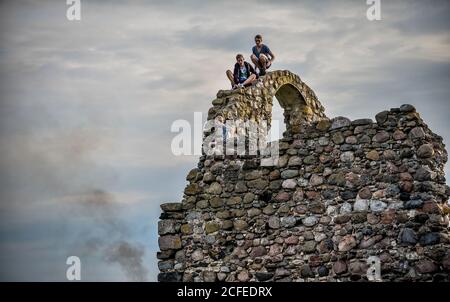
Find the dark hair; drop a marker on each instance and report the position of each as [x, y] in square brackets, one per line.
[239, 56]
[258, 37]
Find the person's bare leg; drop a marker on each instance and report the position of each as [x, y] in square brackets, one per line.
[230, 77]
[255, 61]
[250, 80]
[262, 62]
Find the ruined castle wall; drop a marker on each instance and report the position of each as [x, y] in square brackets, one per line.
[342, 191]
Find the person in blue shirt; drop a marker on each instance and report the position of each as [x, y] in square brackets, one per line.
[262, 56]
[243, 75]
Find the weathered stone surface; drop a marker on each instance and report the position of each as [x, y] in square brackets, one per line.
[202, 204]
[275, 250]
[366, 243]
[381, 137]
[407, 108]
[289, 174]
[417, 133]
[193, 174]
[382, 117]
[423, 174]
[249, 197]
[258, 251]
[316, 180]
[429, 239]
[399, 135]
[342, 218]
[365, 193]
[288, 222]
[339, 267]
[408, 237]
[171, 207]
[413, 204]
[269, 210]
[347, 243]
[282, 197]
[255, 174]
[274, 222]
[211, 227]
[337, 138]
[263, 276]
[348, 156]
[363, 121]
[425, 151]
[168, 227]
[310, 160]
[192, 189]
[240, 187]
[339, 122]
[186, 229]
[240, 224]
[316, 208]
[291, 240]
[377, 205]
[243, 276]
[170, 277]
[306, 271]
[389, 154]
[234, 200]
[373, 155]
[309, 246]
[310, 221]
[446, 262]
[216, 202]
[169, 242]
[337, 179]
[295, 161]
[322, 271]
[289, 184]
[253, 212]
[258, 184]
[426, 267]
[361, 205]
[214, 188]
[197, 255]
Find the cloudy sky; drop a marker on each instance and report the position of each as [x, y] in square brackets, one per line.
[86, 107]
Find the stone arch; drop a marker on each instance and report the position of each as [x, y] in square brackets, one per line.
[255, 102]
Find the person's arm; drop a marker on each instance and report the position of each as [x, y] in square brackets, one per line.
[270, 53]
[252, 70]
[272, 56]
[236, 73]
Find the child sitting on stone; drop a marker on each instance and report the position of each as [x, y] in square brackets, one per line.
[244, 74]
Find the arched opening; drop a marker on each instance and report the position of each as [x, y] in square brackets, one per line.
[277, 125]
[289, 97]
[289, 108]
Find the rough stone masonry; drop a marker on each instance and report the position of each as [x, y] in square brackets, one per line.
[342, 191]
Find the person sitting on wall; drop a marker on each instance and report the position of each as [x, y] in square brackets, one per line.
[262, 56]
[244, 74]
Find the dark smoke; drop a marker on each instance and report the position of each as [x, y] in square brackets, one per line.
[108, 235]
[130, 259]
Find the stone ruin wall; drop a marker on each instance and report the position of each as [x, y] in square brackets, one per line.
[342, 191]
